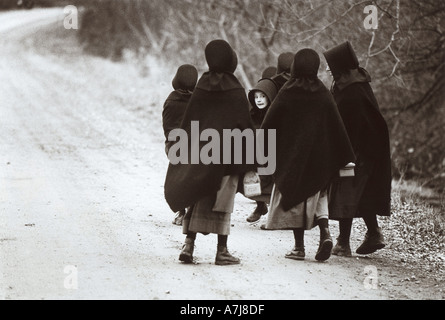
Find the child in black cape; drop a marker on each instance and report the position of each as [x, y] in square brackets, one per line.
[312, 146]
[261, 97]
[368, 193]
[218, 102]
[277, 76]
[283, 69]
[183, 83]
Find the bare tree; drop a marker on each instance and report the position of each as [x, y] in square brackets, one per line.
[405, 54]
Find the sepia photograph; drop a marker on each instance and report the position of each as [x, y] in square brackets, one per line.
[222, 155]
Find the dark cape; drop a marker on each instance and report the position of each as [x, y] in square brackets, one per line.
[173, 112]
[312, 143]
[257, 116]
[280, 79]
[369, 136]
[219, 102]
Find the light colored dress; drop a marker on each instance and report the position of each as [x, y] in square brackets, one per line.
[304, 215]
[212, 214]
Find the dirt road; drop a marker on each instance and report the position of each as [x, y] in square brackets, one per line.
[82, 212]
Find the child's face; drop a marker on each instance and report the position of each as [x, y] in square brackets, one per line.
[261, 100]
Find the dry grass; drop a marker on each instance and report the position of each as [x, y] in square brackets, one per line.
[415, 232]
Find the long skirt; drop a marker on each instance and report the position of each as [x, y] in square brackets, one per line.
[213, 214]
[304, 215]
[351, 197]
[344, 196]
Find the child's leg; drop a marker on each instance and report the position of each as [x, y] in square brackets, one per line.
[372, 224]
[260, 210]
[299, 237]
[186, 254]
[345, 227]
[297, 253]
[322, 218]
[323, 225]
[222, 240]
[342, 247]
[223, 257]
[374, 239]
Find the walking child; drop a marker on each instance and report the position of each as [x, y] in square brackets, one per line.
[183, 83]
[260, 98]
[312, 146]
[368, 193]
[218, 102]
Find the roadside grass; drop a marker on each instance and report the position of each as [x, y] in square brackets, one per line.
[421, 225]
[415, 232]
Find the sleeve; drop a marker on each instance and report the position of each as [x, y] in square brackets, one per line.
[363, 124]
[167, 118]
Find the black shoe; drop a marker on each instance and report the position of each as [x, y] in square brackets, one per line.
[372, 243]
[325, 247]
[259, 211]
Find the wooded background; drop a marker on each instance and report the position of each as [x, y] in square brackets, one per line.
[405, 55]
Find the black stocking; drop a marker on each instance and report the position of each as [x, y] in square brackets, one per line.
[345, 226]
[299, 237]
[222, 240]
[371, 223]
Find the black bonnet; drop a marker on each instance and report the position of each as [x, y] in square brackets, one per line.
[306, 64]
[220, 56]
[269, 72]
[185, 78]
[341, 58]
[267, 86]
[284, 62]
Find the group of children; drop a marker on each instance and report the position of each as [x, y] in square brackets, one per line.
[319, 134]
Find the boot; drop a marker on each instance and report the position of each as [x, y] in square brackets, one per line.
[325, 246]
[224, 258]
[373, 242]
[260, 210]
[342, 248]
[186, 255]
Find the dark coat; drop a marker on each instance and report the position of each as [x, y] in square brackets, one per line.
[173, 112]
[280, 79]
[312, 143]
[219, 102]
[258, 116]
[369, 136]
